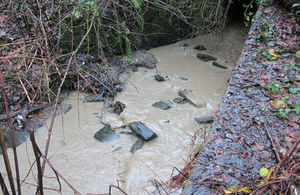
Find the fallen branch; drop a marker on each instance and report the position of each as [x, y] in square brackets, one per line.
[23, 112]
[287, 155]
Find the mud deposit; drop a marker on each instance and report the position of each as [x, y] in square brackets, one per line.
[91, 166]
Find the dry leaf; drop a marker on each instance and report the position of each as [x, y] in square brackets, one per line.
[277, 103]
[272, 52]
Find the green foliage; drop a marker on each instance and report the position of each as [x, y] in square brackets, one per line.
[282, 151]
[298, 54]
[268, 56]
[248, 13]
[297, 108]
[296, 8]
[197, 147]
[263, 172]
[137, 4]
[274, 87]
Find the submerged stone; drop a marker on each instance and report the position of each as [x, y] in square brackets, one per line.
[118, 107]
[142, 131]
[162, 105]
[180, 100]
[219, 65]
[143, 58]
[183, 78]
[200, 47]
[106, 134]
[206, 58]
[117, 149]
[127, 133]
[137, 146]
[186, 94]
[92, 98]
[159, 77]
[20, 137]
[205, 119]
[185, 45]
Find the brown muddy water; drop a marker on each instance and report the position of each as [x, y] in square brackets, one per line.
[91, 166]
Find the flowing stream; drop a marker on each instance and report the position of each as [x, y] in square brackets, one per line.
[91, 166]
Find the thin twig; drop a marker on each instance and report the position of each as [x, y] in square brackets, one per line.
[12, 137]
[3, 185]
[118, 188]
[37, 155]
[287, 155]
[273, 145]
[57, 173]
[6, 161]
[58, 95]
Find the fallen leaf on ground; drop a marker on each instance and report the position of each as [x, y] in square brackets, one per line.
[272, 52]
[298, 54]
[277, 103]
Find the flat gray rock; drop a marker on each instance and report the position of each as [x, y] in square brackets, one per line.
[92, 98]
[137, 146]
[186, 94]
[106, 134]
[205, 119]
[162, 105]
[20, 137]
[200, 48]
[180, 100]
[143, 58]
[183, 78]
[219, 65]
[142, 131]
[206, 58]
[160, 78]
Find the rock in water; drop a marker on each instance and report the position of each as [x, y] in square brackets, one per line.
[20, 137]
[143, 58]
[200, 47]
[118, 107]
[180, 100]
[138, 145]
[186, 94]
[219, 65]
[92, 98]
[106, 134]
[205, 119]
[162, 105]
[159, 77]
[206, 58]
[142, 131]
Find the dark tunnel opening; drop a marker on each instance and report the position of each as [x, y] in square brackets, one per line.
[240, 9]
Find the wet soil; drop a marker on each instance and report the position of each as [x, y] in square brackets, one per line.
[249, 131]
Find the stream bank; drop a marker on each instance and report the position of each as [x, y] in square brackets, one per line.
[257, 124]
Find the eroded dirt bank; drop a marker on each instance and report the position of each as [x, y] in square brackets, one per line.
[91, 166]
[258, 121]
